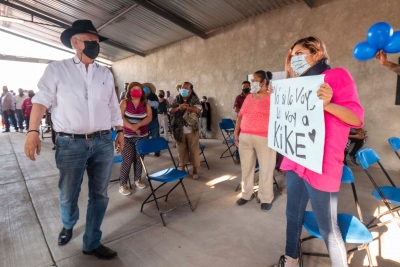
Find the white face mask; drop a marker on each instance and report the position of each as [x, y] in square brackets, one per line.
[299, 64]
[255, 87]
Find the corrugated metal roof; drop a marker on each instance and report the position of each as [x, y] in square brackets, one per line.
[139, 29]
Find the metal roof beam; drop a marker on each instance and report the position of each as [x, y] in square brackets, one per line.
[126, 10]
[26, 59]
[171, 17]
[59, 22]
[310, 3]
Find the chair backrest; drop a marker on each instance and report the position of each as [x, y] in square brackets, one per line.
[394, 143]
[148, 146]
[226, 125]
[367, 156]
[226, 120]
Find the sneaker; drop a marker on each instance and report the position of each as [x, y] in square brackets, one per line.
[140, 185]
[195, 176]
[236, 161]
[353, 160]
[241, 201]
[21, 130]
[124, 190]
[286, 261]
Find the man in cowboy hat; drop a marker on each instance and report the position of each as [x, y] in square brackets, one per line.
[84, 107]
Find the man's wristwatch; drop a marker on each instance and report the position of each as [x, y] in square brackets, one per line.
[120, 131]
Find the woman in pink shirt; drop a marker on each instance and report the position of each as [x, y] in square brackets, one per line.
[252, 123]
[342, 110]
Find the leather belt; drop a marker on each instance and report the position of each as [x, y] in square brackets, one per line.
[85, 136]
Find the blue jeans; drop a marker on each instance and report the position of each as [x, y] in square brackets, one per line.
[73, 156]
[20, 119]
[154, 129]
[324, 206]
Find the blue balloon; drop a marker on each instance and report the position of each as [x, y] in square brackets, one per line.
[364, 51]
[393, 46]
[379, 34]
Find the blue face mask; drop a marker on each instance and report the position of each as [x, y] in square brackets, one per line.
[146, 90]
[184, 92]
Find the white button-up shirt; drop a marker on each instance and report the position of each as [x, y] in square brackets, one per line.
[81, 101]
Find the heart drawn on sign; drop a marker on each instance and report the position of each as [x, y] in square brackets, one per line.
[312, 135]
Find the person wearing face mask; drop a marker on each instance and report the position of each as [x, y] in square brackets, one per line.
[26, 107]
[342, 110]
[252, 123]
[205, 118]
[137, 114]
[237, 106]
[163, 112]
[152, 99]
[84, 107]
[123, 93]
[185, 110]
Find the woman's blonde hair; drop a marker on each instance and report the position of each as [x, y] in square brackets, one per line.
[314, 44]
[178, 86]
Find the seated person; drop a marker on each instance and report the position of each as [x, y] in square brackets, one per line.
[358, 137]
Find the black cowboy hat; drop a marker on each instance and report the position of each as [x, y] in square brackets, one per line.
[79, 26]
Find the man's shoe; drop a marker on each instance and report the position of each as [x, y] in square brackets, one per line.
[157, 154]
[236, 161]
[140, 185]
[102, 252]
[6, 131]
[266, 206]
[64, 237]
[353, 160]
[241, 201]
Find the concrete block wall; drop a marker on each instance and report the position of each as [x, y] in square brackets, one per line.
[217, 66]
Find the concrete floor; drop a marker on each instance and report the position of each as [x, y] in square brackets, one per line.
[218, 233]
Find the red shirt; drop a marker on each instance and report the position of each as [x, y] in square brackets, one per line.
[336, 134]
[255, 115]
[27, 107]
[239, 101]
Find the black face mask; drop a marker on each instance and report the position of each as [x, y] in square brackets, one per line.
[31, 95]
[246, 90]
[92, 49]
[161, 96]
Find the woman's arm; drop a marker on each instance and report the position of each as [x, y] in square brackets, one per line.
[149, 117]
[126, 123]
[237, 130]
[325, 93]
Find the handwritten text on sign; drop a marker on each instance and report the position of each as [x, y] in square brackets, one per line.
[296, 124]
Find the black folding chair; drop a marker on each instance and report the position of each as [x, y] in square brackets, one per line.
[390, 195]
[165, 176]
[352, 228]
[230, 142]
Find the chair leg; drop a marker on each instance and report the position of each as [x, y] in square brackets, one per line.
[369, 256]
[166, 197]
[238, 187]
[277, 186]
[158, 207]
[187, 197]
[144, 202]
[204, 157]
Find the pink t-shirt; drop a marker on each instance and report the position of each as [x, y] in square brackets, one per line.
[336, 134]
[255, 115]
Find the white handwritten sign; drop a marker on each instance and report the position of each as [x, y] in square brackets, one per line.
[296, 124]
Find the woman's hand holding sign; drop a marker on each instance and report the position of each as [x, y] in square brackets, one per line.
[325, 93]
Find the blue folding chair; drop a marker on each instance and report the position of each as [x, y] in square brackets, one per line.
[352, 228]
[201, 147]
[165, 176]
[230, 128]
[390, 195]
[118, 159]
[228, 140]
[394, 143]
